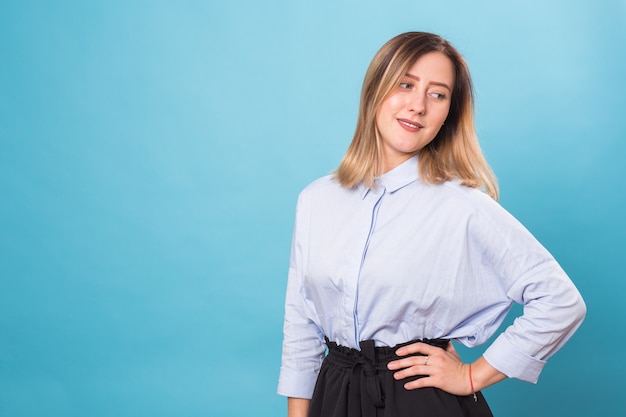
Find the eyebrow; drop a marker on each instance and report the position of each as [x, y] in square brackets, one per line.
[415, 77]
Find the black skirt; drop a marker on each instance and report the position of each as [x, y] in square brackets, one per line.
[354, 383]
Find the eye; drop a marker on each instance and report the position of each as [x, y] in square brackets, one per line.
[438, 96]
[405, 85]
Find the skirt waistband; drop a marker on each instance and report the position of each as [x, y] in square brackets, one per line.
[376, 357]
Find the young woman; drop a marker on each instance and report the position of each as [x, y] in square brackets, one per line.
[404, 248]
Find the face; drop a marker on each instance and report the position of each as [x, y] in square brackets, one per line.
[411, 115]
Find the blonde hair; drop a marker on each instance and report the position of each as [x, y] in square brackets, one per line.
[454, 153]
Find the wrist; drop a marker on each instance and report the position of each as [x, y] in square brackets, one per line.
[483, 375]
[471, 381]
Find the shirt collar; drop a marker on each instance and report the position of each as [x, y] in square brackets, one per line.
[399, 177]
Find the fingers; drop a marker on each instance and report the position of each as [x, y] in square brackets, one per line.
[436, 367]
[419, 383]
[408, 362]
[422, 357]
[449, 377]
[407, 372]
[417, 347]
[413, 365]
[418, 369]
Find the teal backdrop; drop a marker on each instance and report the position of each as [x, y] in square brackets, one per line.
[151, 153]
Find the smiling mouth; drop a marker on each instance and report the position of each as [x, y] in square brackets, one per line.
[410, 124]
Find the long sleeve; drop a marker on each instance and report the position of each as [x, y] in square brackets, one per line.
[552, 306]
[553, 310]
[303, 347]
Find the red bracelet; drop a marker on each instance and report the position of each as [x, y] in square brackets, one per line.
[472, 383]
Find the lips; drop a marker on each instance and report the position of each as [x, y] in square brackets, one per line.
[410, 125]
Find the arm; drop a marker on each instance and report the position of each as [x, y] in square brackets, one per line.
[297, 407]
[303, 342]
[553, 310]
[528, 275]
[519, 352]
[508, 261]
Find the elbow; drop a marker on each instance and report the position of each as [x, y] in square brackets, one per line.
[581, 310]
[575, 312]
[572, 313]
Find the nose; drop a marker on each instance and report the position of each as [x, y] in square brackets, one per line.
[417, 103]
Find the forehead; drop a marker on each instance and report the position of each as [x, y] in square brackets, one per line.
[433, 66]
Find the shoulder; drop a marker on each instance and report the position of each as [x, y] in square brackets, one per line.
[319, 185]
[467, 197]
[491, 222]
[325, 188]
[477, 203]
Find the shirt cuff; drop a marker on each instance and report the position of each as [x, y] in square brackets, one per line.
[296, 384]
[512, 362]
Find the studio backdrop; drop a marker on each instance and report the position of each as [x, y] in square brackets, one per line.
[151, 154]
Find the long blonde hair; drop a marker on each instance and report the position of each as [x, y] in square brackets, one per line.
[454, 153]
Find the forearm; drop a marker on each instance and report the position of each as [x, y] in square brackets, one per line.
[484, 375]
[297, 407]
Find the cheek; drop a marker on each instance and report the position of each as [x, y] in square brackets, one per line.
[394, 102]
[390, 105]
[383, 113]
[443, 115]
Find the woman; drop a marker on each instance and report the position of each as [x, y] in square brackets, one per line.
[404, 249]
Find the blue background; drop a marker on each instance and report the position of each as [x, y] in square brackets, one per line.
[151, 153]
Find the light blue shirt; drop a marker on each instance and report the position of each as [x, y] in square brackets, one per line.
[409, 260]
